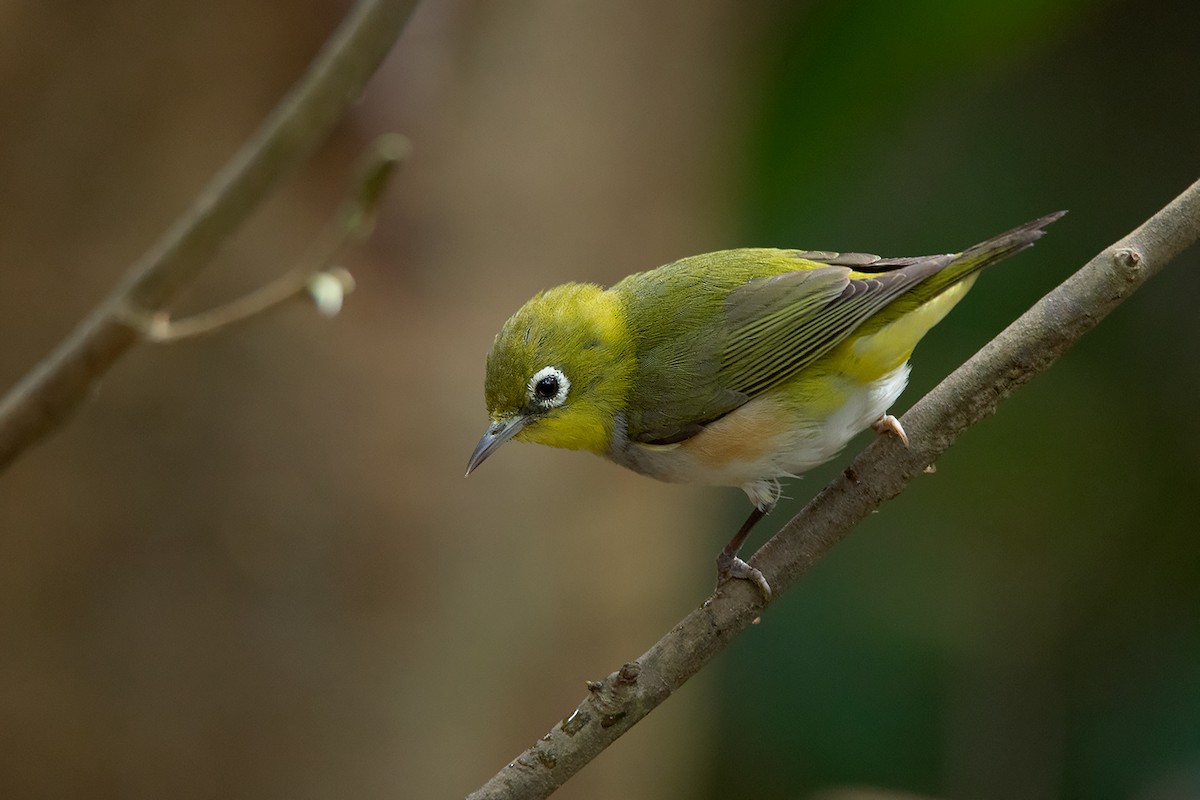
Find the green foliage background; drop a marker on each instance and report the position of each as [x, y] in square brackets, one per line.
[1025, 622]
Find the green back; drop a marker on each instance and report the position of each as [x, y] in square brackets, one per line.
[714, 330]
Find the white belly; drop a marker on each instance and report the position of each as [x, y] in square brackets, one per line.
[767, 439]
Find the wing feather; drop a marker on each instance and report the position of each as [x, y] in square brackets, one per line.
[779, 325]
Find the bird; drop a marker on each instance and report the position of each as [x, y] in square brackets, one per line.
[734, 368]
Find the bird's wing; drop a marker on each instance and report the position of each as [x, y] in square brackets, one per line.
[776, 326]
[770, 326]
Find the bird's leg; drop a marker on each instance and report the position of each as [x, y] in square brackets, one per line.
[730, 566]
[889, 424]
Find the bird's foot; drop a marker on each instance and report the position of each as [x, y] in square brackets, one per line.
[730, 567]
[889, 424]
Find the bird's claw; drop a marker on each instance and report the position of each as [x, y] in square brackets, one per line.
[730, 567]
[889, 424]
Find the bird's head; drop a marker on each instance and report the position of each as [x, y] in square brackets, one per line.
[559, 372]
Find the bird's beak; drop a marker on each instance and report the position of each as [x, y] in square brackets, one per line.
[497, 434]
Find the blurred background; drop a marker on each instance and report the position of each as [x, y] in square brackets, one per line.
[251, 567]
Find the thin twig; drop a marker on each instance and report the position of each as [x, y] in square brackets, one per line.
[318, 278]
[45, 397]
[335, 283]
[1024, 349]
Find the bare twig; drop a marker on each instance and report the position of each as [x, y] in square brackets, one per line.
[1024, 349]
[326, 288]
[47, 395]
[318, 278]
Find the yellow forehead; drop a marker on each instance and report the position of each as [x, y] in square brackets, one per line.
[566, 327]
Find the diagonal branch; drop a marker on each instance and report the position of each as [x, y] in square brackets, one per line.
[54, 388]
[1025, 348]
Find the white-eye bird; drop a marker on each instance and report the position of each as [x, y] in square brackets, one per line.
[734, 368]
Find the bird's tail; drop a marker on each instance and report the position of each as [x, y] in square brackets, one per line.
[968, 263]
[1008, 243]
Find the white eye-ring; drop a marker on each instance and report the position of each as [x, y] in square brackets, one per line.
[548, 387]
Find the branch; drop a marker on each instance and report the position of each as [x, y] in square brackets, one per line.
[1025, 348]
[45, 397]
[318, 278]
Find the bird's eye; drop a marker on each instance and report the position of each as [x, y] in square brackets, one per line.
[548, 387]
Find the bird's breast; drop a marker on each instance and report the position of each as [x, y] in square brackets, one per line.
[780, 433]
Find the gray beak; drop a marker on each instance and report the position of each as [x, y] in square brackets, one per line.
[497, 434]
